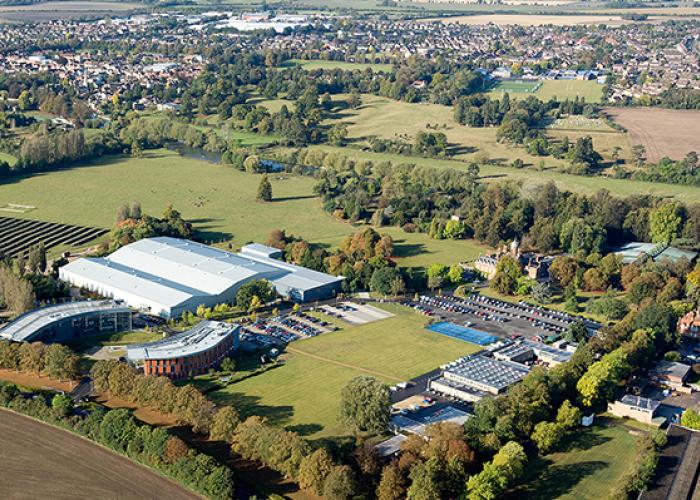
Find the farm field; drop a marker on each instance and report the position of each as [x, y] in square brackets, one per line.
[561, 89]
[221, 204]
[393, 350]
[348, 66]
[70, 467]
[663, 132]
[588, 469]
[536, 19]
[530, 178]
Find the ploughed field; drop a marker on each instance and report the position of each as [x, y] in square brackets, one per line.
[40, 461]
[663, 132]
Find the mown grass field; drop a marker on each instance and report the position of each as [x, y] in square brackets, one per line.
[587, 468]
[219, 201]
[560, 89]
[347, 66]
[304, 393]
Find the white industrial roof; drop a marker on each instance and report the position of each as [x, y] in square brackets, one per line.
[171, 271]
[200, 338]
[26, 325]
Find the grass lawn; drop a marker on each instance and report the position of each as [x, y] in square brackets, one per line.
[588, 467]
[592, 91]
[347, 66]
[304, 393]
[218, 200]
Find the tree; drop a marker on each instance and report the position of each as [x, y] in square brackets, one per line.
[563, 270]
[252, 165]
[547, 435]
[383, 279]
[314, 469]
[568, 415]
[508, 273]
[691, 419]
[577, 332]
[224, 423]
[264, 189]
[664, 223]
[262, 289]
[175, 449]
[423, 484]
[62, 404]
[339, 484]
[337, 134]
[364, 405]
[392, 485]
[542, 292]
[228, 364]
[454, 275]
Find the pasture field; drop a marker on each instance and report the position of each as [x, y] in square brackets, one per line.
[347, 66]
[529, 178]
[70, 466]
[388, 119]
[517, 86]
[218, 200]
[663, 132]
[561, 89]
[304, 393]
[588, 468]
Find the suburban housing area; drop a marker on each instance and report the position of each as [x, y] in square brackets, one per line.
[350, 249]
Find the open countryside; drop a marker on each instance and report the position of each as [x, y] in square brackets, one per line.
[350, 249]
[672, 133]
[69, 466]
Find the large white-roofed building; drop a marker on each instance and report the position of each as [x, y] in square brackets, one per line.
[168, 276]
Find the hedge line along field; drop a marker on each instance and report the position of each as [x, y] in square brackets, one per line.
[219, 200]
[70, 467]
[393, 350]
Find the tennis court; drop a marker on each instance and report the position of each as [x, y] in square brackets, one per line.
[462, 333]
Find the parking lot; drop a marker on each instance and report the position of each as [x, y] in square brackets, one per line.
[498, 317]
[281, 330]
[354, 313]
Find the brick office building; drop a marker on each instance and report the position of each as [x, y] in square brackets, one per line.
[192, 352]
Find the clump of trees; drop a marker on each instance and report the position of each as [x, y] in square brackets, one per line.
[185, 403]
[507, 466]
[54, 360]
[132, 225]
[641, 471]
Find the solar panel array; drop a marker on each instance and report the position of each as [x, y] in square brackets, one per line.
[17, 236]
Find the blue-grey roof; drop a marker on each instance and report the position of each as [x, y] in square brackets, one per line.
[26, 325]
[200, 338]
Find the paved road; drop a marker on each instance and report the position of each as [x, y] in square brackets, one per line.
[41, 461]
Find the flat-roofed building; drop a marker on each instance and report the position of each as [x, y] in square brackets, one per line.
[69, 321]
[168, 276]
[636, 407]
[670, 373]
[483, 374]
[192, 352]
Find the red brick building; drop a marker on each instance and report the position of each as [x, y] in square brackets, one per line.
[192, 352]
